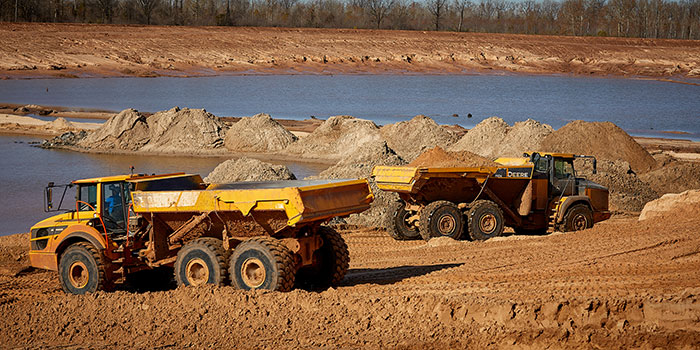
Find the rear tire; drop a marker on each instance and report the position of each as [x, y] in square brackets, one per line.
[202, 261]
[332, 261]
[441, 218]
[577, 218]
[262, 263]
[485, 220]
[396, 225]
[82, 269]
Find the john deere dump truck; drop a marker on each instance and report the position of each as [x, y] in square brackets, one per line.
[266, 235]
[537, 193]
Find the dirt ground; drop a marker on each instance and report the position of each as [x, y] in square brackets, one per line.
[622, 284]
[82, 50]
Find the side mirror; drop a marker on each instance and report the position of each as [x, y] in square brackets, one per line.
[595, 166]
[49, 197]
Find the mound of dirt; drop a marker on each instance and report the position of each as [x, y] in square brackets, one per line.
[337, 138]
[627, 191]
[259, 133]
[673, 204]
[494, 138]
[439, 158]
[173, 131]
[184, 131]
[60, 124]
[604, 140]
[410, 138]
[248, 169]
[359, 165]
[675, 177]
[127, 130]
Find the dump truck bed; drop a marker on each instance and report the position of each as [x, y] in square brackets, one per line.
[302, 201]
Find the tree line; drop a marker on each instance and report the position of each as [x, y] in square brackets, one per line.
[676, 19]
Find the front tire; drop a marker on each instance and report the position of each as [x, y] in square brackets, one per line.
[262, 263]
[202, 261]
[579, 217]
[396, 224]
[485, 220]
[82, 269]
[441, 218]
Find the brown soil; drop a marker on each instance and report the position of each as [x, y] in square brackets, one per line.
[674, 177]
[68, 50]
[622, 284]
[493, 138]
[410, 138]
[259, 133]
[439, 158]
[604, 140]
[686, 203]
[337, 138]
[247, 169]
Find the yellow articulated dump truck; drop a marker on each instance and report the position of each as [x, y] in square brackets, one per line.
[255, 235]
[534, 194]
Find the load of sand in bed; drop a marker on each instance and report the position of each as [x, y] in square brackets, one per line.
[248, 169]
[336, 138]
[176, 130]
[604, 140]
[410, 138]
[259, 133]
[493, 138]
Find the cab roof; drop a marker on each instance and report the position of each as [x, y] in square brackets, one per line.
[555, 154]
[129, 178]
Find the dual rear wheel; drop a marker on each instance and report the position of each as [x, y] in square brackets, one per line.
[260, 263]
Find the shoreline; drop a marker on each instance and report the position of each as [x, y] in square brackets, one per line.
[89, 50]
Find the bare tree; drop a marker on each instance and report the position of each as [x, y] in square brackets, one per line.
[461, 6]
[379, 9]
[106, 7]
[147, 7]
[437, 9]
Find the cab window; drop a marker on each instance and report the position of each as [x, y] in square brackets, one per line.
[563, 169]
[87, 194]
[113, 207]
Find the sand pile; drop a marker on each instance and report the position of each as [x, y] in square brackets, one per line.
[60, 124]
[439, 158]
[337, 138]
[359, 165]
[248, 169]
[259, 133]
[127, 130]
[627, 191]
[173, 131]
[673, 204]
[410, 138]
[493, 138]
[184, 130]
[675, 177]
[604, 140]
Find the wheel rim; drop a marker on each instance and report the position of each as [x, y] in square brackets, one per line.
[487, 224]
[197, 272]
[446, 224]
[78, 275]
[580, 222]
[404, 220]
[253, 272]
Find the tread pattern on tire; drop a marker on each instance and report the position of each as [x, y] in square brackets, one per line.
[478, 203]
[283, 258]
[216, 246]
[425, 215]
[102, 283]
[390, 224]
[342, 256]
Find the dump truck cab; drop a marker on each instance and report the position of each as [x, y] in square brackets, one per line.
[536, 193]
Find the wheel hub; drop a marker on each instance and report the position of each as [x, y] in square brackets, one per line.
[253, 272]
[197, 272]
[78, 275]
[446, 224]
[580, 222]
[487, 224]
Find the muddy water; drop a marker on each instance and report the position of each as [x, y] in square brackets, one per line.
[642, 107]
[25, 170]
